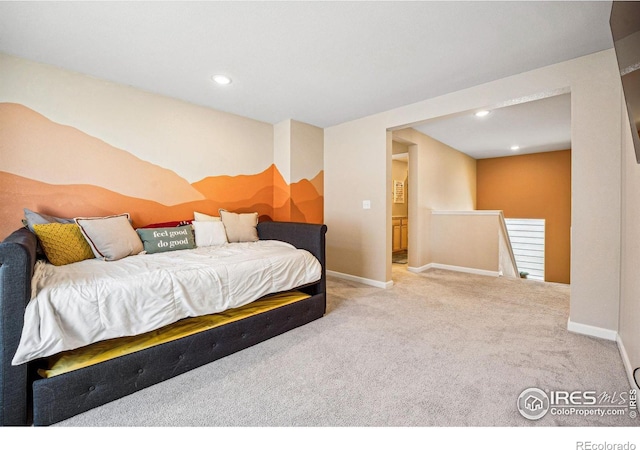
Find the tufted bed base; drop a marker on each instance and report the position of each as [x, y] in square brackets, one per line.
[28, 399]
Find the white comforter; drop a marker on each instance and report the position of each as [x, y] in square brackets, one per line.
[92, 300]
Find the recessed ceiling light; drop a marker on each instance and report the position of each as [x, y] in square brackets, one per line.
[221, 79]
[482, 113]
[515, 147]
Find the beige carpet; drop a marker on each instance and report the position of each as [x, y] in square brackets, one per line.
[437, 349]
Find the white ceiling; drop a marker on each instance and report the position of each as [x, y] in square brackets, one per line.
[317, 62]
[536, 126]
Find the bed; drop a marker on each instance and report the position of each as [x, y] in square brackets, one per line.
[39, 393]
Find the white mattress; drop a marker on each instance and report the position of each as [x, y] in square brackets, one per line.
[93, 300]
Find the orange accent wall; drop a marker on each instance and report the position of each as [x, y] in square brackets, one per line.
[535, 186]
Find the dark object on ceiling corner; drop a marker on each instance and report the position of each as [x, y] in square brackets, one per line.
[625, 31]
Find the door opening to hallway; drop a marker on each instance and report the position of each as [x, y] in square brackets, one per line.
[400, 208]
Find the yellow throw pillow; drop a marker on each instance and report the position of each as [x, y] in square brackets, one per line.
[63, 243]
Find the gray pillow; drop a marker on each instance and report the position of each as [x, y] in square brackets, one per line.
[32, 218]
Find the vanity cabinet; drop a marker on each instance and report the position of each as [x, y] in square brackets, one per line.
[400, 227]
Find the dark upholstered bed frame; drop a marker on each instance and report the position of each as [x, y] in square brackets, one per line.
[26, 399]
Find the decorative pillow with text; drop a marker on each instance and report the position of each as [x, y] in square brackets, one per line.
[156, 240]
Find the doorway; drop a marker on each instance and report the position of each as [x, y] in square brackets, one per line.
[400, 203]
[467, 162]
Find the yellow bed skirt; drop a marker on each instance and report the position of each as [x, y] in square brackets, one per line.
[102, 351]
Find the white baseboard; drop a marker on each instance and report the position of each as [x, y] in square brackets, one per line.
[420, 269]
[628, 368]
[471, 270]
[367, 281]
[590, 330]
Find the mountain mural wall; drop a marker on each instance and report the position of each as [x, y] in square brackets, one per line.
[60, 170]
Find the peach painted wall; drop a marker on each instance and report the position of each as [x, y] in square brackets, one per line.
[465, 240]
[72, 145]
[534, 186]
[298, 150]
[440, 178]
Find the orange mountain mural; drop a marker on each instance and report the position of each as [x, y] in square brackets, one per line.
[32, 147]
[35, 147]
[86, 200]
[299, 201]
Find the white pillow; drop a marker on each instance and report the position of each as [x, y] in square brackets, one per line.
[209, 233]
[201, 217]
[110, 238]
[240, 227]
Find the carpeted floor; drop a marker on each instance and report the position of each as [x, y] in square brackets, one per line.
[437, 349]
